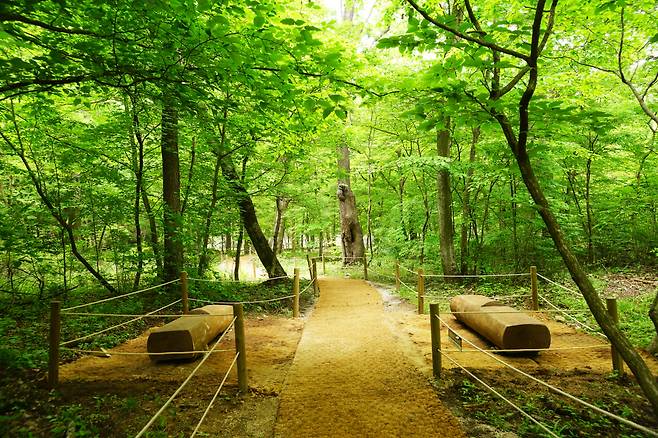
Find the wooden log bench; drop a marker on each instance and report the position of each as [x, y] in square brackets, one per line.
[504, 326]
[191, 332]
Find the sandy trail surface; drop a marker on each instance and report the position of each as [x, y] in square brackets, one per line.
[350, 378]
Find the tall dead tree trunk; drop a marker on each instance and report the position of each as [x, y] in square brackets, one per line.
[173, 245]
[250, 221]
[446, 228]
[351, 232]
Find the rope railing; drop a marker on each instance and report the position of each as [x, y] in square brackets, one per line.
[554, 388]
[270, 300]
[502, 397]
[230, 280]
[82, 338]
[527, 350]
[408, 270]
[520, 274]
[380, 273]
[148, 315]
[136, 353]
[574, 292]
[510, 312]
[185, 382]
[565, 313]
[495, 297]
[407, 286]
[214, 397]
[120, 296]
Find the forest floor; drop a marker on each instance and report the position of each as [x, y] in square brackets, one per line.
[117, 395]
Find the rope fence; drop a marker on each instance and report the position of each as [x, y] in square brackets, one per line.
[214, 397]
[82, 338]
[122, 296]
[547, 385]
[185, 382]
[502, 397]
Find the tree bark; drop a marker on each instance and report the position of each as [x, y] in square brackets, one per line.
[518, 146]
[446, 228]
[466, 205]
[238, 250]
[173, 245]
[279, 223]
[153, 234]
[250, 221]
[137, 143]
[351, 232]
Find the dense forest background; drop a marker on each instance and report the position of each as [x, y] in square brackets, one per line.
[131, 136]
[142, 139]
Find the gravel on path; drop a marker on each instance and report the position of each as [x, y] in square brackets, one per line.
[349, 377]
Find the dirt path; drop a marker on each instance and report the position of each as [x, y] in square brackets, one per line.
[349, 377]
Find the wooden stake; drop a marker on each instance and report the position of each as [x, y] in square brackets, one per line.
[533, 286]
[253, 269]
[397, 275]
[53, 350]
[435, 328]
[240, 347]
[617, 361]
[365, 268]
[314, 272]
[324, 265]
[184, 293]
[295, 292]
[421, 292]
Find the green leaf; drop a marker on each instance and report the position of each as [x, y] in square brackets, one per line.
[327, 111]
[259, 20]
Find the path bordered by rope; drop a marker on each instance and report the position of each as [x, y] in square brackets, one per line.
[349, 378]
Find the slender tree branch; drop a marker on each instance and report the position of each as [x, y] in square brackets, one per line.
[465, 36]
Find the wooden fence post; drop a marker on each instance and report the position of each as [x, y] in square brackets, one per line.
[253, 270]
[295, 292]
[53, 350]
[397, 275]
[316, 287]
[617, 361]
[365, 268]
[184, 291]
[240, 347]
[435, 328]
[533, 287]
[421, 292]
[324, 265]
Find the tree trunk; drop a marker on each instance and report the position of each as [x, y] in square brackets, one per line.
[238, 250]
[137, 143]
[153, 234]
[588, 208]
[250, 221]
[279, 223]
[173, 245]
[446, 229]
[351, 232]
[203, 257]
[635, 362]
[466, 205]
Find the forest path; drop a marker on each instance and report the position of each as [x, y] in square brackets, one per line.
[349, 378]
